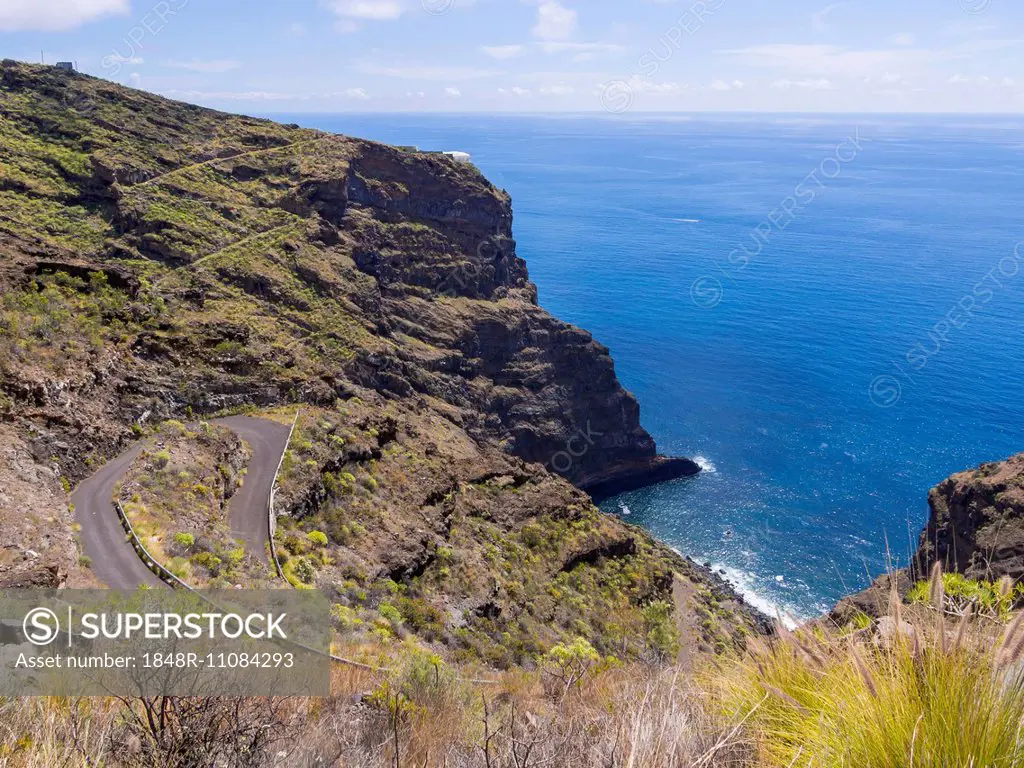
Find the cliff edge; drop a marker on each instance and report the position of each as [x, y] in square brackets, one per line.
[159, 260]
[975, 527]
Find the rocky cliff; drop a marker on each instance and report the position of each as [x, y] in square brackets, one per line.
[975, 527]
[159, 260]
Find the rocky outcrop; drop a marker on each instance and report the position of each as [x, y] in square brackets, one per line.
[975, 527]
[876, 600]
[36, 542]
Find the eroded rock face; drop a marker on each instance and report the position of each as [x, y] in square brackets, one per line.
[36, 545]
[976, 525]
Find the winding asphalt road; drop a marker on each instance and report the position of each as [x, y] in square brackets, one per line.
[114, 560]
[247, 509]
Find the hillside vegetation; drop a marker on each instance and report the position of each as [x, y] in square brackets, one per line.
[160, 261]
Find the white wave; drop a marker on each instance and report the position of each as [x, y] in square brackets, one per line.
[705, 464]
[624, 510]
[687, 221]
[744, 583]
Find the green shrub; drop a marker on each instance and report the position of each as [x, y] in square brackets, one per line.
[296, 545]
[391, 614]
[161, 459]
[317, 537]
[209, 561]
[180, 568]
[425, 679]
[993, 599]
[304, 570]
[184, 540]
[568, 664]
[346, 618]
[421, 616]
[662, 635]
[235, 556]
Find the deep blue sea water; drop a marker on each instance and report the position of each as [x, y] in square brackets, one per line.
[826, 378]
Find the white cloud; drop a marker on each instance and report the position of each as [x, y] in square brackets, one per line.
[905, 38]
[658, 89]
[558, 89]
[346, 26]
[721, 85]
[891, 78]
[820, 84]
[502, 51]
[554, 21]
[415, 95]
[958, 79]
[296, 29]
[522, 93]
[453, 93]
[375, 10]
[819, 18]
[581, 51]
[214, 66]
[413, 71]
[356, 93]
[55, 15]
[135, 80]
[230, 95]
[1008, 82]
[585, 48]
[831, 60]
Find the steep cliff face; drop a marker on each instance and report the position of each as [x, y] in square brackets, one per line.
[546, 389]
[271, 213]
[975, 527]
[165, 261]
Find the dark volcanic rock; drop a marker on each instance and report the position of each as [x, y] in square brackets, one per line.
[875, 600]
[976, 527]
[637, 474]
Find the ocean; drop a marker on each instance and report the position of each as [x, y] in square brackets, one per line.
[824, 311]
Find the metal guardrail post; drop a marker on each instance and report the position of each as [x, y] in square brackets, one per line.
[273, 491]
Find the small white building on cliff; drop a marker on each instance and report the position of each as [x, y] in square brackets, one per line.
[459, 157]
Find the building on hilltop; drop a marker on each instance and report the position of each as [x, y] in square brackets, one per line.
[459, 157]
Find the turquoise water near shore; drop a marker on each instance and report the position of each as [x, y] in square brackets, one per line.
[825, 311]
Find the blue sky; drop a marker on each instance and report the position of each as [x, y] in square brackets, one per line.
[541, 55]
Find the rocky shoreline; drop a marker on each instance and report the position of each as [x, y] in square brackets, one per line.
[641, 473]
